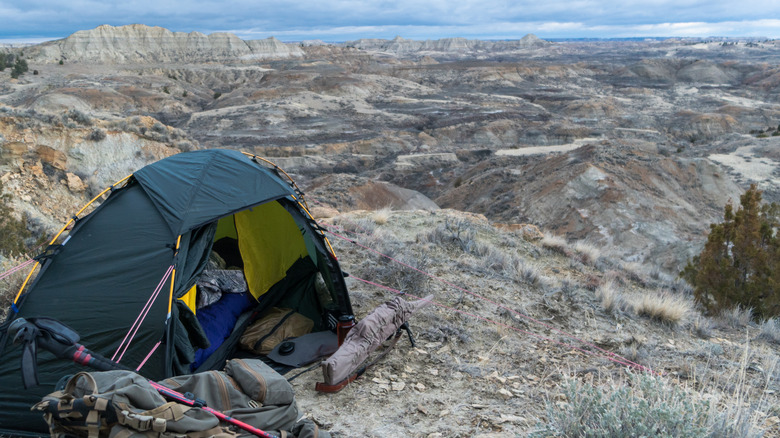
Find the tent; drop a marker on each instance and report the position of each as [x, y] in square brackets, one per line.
[124, 276]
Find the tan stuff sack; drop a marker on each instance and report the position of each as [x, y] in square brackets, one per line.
[122, 404]
[279, 324]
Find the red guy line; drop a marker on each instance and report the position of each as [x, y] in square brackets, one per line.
[141, 316]
[473, 315]
[607, 353]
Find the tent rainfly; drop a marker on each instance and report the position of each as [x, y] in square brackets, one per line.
[125, 276]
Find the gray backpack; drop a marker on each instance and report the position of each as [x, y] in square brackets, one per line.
[122, 404]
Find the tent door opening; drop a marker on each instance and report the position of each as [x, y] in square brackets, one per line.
[260, 260]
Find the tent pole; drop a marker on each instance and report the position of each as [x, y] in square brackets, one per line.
[168, 325]
[72, 220]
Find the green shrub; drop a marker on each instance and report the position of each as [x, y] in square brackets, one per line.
[13, 232]
[401, 277]
[20, 68]
[740, 263]
[10, 285]
[79, 117]
[159, 128]
[97, 135]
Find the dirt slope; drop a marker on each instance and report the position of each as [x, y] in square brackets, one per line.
[480, 369]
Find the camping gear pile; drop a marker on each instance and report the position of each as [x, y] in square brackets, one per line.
[125, 277]
[119, 403]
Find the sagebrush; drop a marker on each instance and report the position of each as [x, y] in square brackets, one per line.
[645, 406]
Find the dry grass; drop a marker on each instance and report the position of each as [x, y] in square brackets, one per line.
[636, 353]
[554, 243]
[609, 296]
[770, 331]
[663, 307]
[736, 317]
[382, 216]
[527, 272]
[402, 277]
[586, 252]
[695, 371]
[494, 259]
[459, 233]
[702, 327]
[362, 226]
[634, 271]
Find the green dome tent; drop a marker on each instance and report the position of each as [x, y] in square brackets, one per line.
[124, 277]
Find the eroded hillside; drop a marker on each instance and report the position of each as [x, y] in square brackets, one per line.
[522, 334]
[669, 129]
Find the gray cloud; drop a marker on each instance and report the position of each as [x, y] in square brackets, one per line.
[350, 19]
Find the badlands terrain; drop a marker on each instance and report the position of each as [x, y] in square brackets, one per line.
[564, 181]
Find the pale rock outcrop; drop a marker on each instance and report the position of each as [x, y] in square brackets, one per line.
[403, 46]
[139, 43]
[375, 195]
[75, 184]
[705, 72]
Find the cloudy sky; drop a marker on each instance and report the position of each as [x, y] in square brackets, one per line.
[342, 20]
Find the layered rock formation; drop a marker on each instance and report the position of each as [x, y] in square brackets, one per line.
[401, 46]
[138, 43]
[618, 194]
[633, 146]
[50, 169]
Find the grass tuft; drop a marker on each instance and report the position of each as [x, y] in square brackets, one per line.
[586, 252]
[634, 272]
[382, 216]
[663, 307]
[361, 226]
[457, 233]
[702, 327]
[610, 297]
[770, 331]
[526, 272]
[554, 243]
[403, 278]
[736, 317]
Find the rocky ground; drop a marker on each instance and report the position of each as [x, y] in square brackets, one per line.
[496, 360]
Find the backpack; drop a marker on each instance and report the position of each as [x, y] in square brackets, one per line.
[123, 404]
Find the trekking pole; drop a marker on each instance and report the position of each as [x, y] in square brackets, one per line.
[62, 341]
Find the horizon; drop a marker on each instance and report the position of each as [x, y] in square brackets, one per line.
[348, 20]
[28, 41]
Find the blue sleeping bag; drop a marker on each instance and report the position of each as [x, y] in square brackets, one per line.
[218, 321]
